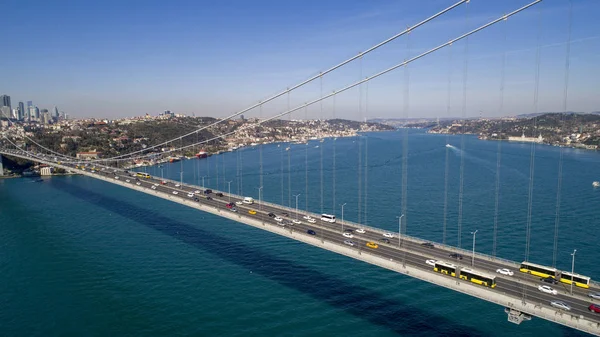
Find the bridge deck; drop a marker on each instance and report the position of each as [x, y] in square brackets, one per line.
[405, 255]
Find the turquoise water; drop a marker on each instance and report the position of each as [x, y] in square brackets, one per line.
[83, 257]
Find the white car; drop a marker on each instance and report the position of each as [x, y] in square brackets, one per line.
[560, 305]
[177, 185]
[547, 290]
[430, 262]
[278, 219]
[388, 235]
[197, 192]
[505, 271]
[360, 230]
[348, 235]
[138, 183]
[116, 177]
[127, 180]
[239, 203]
[349, 242]
[190, 195]
[296, 221]
[153, 187]
[311, 220]
[307, 217]
[175, 192]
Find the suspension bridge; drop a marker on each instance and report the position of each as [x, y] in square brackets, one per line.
[510, 284]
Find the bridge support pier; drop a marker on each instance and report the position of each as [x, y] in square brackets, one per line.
[515, 316]
[1, 167]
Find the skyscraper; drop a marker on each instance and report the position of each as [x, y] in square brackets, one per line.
[30, 113]
[21, 111]
[5, 100]
[55, 115]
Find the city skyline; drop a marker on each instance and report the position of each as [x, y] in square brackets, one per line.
[216, 59]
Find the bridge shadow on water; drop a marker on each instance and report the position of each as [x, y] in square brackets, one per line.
[359, 301]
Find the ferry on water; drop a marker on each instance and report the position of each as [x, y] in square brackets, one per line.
[596, 184]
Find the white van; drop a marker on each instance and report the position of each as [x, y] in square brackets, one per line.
[248, 200]
[328, 218]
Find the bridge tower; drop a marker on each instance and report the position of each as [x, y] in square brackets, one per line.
[1, 167]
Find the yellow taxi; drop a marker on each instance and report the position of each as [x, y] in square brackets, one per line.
[252, 211]
[372, 245]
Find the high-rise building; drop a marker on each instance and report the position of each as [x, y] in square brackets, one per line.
[21, 111]
[5, 101]
[55, 115]
[31, 111]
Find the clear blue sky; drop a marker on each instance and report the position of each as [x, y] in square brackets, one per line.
[123, 58]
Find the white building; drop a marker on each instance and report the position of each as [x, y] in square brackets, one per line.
[47, 171]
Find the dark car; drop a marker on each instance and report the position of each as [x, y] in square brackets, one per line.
[456, 256]
[209, 191]
[549, 279]
[311, 232]
[594, 308]
[384, 240]
[348, 231]
[285, 214]
[219, 194]
[428, 245]
[209, 198]
[271, 215]
[196, 199]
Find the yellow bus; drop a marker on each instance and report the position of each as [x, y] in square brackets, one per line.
[143, 175]
[445, 268]
[580, 280]
[478, 277]
[538, 270]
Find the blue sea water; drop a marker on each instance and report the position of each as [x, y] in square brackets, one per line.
[80, 257]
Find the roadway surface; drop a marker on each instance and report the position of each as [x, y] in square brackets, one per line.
[410, 252]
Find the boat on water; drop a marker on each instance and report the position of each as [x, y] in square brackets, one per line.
[201, 154]
[596, 184]
[448, 145]
[174, 159]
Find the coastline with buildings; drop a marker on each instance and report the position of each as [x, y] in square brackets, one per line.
[94, 139]
[575, 130]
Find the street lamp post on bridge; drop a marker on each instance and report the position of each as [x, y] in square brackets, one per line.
[344, 204]
[473, 254]
[400, 229]
[229, 189]
[260, 198]
[572, 269]
[296, 196]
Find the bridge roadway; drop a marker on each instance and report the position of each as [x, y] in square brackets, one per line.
[409, 252]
